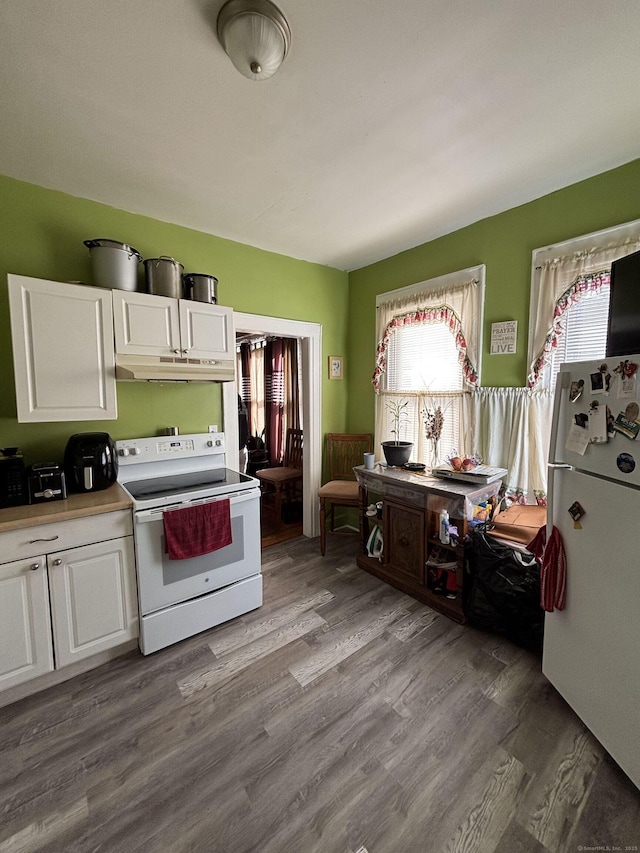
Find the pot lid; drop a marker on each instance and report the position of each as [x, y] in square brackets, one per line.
[112, 244]
[163, 259]
[200, 275]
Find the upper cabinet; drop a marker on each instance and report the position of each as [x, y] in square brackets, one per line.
[151, 325]
[63, 352]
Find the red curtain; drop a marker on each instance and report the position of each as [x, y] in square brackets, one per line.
[282, 394]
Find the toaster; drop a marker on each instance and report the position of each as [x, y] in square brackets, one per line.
[46, 483]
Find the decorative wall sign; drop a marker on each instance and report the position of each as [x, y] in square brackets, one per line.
[335, 367]
[503, 337]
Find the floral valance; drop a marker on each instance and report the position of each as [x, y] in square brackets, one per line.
[439, 314]
[583, 284]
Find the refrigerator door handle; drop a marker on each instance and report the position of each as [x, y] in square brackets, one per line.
[562, 382]
[552, 472]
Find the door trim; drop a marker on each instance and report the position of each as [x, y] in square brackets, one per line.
[310, 335]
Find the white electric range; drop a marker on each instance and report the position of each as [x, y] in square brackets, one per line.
[179, 598]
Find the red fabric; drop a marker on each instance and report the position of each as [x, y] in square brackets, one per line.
[197, 530]
[553, 568]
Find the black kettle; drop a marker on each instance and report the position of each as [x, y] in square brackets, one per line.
[90, 462]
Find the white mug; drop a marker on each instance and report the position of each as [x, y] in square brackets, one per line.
[369, 460]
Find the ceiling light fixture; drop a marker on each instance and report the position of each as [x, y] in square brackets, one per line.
[256, 36]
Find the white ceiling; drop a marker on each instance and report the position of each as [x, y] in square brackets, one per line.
[388, 124]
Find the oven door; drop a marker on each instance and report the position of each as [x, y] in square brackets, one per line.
[163, 582]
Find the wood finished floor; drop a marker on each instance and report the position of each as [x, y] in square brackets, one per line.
[342, 716]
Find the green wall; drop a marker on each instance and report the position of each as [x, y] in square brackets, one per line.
[42, 236]
[43, 232]
[503, 243]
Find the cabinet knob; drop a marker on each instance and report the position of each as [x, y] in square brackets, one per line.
[57, 562]
[185, 351]
[176, 351]
[34, 567]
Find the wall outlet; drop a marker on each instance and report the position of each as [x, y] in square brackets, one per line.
[213, 427]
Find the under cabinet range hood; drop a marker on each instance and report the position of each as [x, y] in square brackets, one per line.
[168, 369]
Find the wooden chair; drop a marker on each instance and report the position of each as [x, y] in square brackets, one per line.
[287, 477]
[345, 451]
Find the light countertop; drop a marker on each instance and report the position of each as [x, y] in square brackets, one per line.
[75, 506]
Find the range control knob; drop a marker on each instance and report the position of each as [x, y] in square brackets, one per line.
[218, 442]
[135, 451]
[124, 451]
[209, 443]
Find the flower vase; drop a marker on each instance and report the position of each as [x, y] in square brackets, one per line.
[435, 454]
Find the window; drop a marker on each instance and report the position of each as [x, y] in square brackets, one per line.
[569, 305]
[584, 332]
[429, 342]
[423, 357]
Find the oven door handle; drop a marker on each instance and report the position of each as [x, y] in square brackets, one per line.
[144, 515]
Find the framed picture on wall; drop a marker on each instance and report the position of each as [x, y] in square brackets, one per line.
[335, 367]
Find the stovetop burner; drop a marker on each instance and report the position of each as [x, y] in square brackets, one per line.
[217, 479]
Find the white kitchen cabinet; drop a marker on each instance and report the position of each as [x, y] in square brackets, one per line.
[73, 601]
[26, 647]
[63, 353]
[93, 599]
[150, 325]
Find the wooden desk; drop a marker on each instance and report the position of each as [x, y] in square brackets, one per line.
[410, 525]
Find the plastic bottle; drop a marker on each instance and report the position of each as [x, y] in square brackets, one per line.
[444, 527]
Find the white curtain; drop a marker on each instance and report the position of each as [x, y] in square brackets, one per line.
[511, 429]
[462, 301]
[562, 282]
[423, 450]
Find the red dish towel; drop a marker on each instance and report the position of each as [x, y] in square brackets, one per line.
[553, 568]
[197, 530]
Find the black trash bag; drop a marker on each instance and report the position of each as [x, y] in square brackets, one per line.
[502, 591]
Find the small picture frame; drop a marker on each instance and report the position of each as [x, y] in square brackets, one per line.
[335, 367]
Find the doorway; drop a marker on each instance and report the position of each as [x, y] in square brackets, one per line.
[310, 337]
[269, 414]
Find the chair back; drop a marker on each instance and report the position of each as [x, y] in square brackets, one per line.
[293, 449]
[346, 451]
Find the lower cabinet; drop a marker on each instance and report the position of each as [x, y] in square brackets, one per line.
[26, 645]
[60, 607]
[93, 599]
[404, 551]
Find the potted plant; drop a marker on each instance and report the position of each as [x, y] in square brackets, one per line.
[397, 452]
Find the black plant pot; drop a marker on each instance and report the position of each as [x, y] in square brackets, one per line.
[396, 452]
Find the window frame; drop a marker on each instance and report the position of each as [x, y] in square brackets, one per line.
[596, 240]
[473, 336]
[449, 280]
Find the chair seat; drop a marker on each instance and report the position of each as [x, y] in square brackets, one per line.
[279, 475]
[339, 490]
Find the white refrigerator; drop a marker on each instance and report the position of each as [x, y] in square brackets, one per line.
[592, 647]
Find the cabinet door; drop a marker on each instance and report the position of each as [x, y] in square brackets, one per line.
[93, 598]
[25, 626]
[63, 355]
[206, 330]
[145, 324]
[404, 540]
